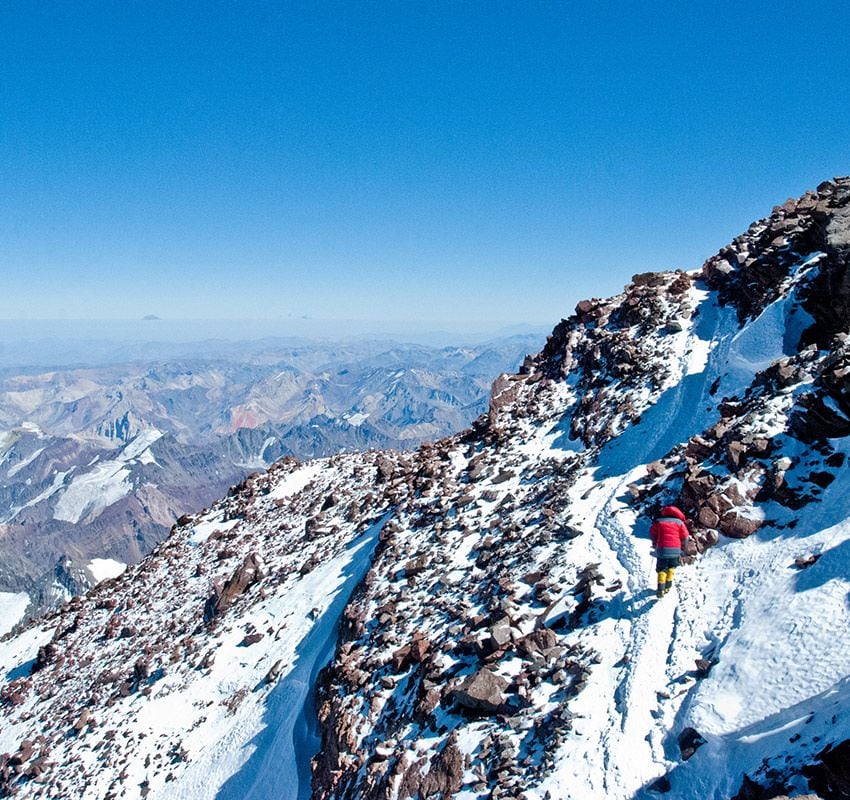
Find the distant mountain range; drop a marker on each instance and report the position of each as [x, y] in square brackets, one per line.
[99, 462]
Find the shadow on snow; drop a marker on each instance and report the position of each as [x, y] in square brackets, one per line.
[280, 764]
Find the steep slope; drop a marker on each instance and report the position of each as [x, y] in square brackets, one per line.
[498, 634]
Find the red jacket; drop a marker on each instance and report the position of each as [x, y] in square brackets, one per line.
[669, 530]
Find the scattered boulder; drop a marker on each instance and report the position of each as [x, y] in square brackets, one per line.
[649, 279]
[801, 562]
[736, 525]
[409, 654]
[386, 468]
[504, 392]
[537, 642]
[690, 741]
[704, 666]
[249, 572]
[274, 673]
[482, 692]
[500, 635]
[47, 654]
[445, 777]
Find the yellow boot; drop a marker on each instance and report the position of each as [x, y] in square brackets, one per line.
[662, 583]
[669, 583]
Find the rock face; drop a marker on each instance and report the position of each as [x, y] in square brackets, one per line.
[830, 775]
[502, 638]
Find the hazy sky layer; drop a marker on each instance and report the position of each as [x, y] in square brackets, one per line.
[461, 163]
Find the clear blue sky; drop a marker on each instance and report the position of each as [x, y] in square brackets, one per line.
[456, 162]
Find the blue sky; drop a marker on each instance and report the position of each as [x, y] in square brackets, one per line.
[451, 163]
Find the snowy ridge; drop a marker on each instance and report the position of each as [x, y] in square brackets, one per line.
[505, 640]
[200, 701]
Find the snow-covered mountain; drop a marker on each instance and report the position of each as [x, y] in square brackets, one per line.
[477, 618]
[98, 462]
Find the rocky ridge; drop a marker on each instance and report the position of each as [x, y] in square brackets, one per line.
[503, 641]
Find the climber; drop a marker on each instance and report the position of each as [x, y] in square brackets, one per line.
[668, 533]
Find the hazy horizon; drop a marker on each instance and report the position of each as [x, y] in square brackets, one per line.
[71, 343]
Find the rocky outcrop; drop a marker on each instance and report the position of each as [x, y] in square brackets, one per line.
[750, 272]
[823, 411]
[611, 351]
[248, 573]
[830, 776]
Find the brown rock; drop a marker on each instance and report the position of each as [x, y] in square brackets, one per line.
[482, 692]
[584, 307]
[244, 577]
[416, 566]
[504, 475]
[737, 526]
[698, 448]
[656, 468]
[504, 392]
[649, 279]
[736, 451]
[82, 720]
[413, 653]
[386, 468]
[274, 673]
[537, 642]
[445, 778]
[689, 741]
[708, 517]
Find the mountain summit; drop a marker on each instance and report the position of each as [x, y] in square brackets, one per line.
[477, 618]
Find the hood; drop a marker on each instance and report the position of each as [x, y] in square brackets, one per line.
[672, 511]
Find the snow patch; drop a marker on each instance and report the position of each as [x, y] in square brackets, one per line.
[773, 335]
[201, 532]
[265, 750]
[58, 482]
[25, 463]
[103, 569]
[296, 481]
[138, 448]
[90, 494]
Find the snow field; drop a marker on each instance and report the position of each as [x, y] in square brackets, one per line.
[90, 493]
[16, 657]
[296, 481]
